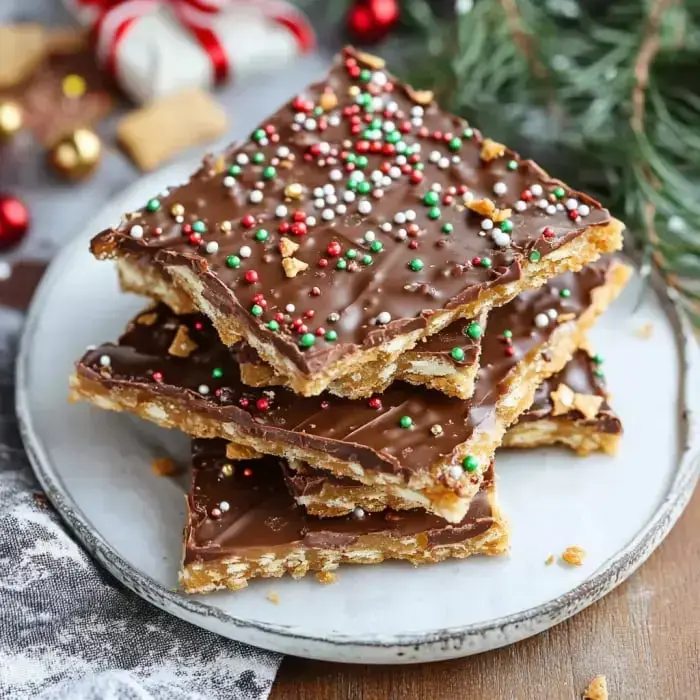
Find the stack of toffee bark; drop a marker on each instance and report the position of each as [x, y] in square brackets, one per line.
[352, 310]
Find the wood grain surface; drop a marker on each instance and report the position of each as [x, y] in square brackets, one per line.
[644, 637]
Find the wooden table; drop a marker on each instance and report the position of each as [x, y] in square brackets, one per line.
[644, 636]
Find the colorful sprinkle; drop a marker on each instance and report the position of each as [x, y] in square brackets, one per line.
[307, 340]
[457, 354]
[233, 261]
[470, 463]
[406, 422]
[473, 330]
[416, 264]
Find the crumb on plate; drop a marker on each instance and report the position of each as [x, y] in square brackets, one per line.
[574, 555]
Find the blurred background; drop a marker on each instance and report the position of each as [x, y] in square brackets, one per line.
[604, 94]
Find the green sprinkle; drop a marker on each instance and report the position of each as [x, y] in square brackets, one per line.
[318, 111]
[234, 170]
[341, 265]
[256, 310]
[457, 354]
[565, 293]
[364, 188]
[558, 192]
[431, 198]
[258, 135]
[512, 165]
[468, 133]
[434, 213]
[331, 336]
[419, 166]
[376, 123]
[367, 260]
[393, 137]
[261, 235]
[470, 463]
[376, 246]
[507, 334]
[217, 373]
[534, 256]
[455, 143]
[153, 205]
[351, 158]
[365, 75]
[486, 262]
[273, 326]
[351, 185]
[307, 340]
[416, 264]
[199, 226]
[447, 228]
[599, 373]
[233, 261]
[351, 253]
[269, 172]
[597, 359]
[362, 161]
[507, 226]
[406, 421]
[473, 330]
[258, 158]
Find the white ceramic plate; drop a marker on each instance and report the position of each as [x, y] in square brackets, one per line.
[95, 469]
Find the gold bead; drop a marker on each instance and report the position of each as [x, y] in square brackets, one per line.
[73, 86]
[76, 154]
[226, 470]
[177, 210]
[225, 227]
[293, 191]
[11, 119]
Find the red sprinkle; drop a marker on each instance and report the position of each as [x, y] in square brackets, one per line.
[324, 404]
[448, 199]
[526, 196]
[303, 328]
[284, 227]
[309, 313]
[573, 214]
[243, 403]
[416, 177]
[375, 402]
[413, 229]
[156, 231]
[279, 317]
[462, 189]
[437, 135]
[198, 325]
[413, 245]
[315, 291]
[334, 249]
[321, 331]
[299, 215]
[248, 221]
[195, 238]
[423, 132]
[323, 262]
[510, 351]
[269, 129]
[251, 276]
[548, 232]
[299, 229]
[248, 472]
[262, 404]
[405, 127]
[476, 260]
[157, 376]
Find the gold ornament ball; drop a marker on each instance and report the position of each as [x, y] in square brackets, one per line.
[11, 119]
[76, 154]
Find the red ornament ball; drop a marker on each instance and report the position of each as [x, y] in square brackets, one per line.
[14, 221]
[369, 21]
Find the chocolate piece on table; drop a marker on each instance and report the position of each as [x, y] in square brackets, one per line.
[405, 216]
[243, 523]
[597, 430]
[416, 443]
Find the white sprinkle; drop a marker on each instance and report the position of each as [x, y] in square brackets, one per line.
[500, 188]
[541, 320]
[319, 203]
[242, 159]
[553, 314]
[331, 199]
[436, 187]
[401, 234]
[318, 192]
[364, 207]
[333, 317]
[500, 238]
[295, 127]
[281, 211]
[105, 360]
[417, 121]
[341, 209]
[399, 218]
[283, 151]
[434, 156]
[571, 203]
[357, 175]
[585, 210]
[386, 181]
[520, 205]
[542, 203]
[444, 163]
[335, 175]
[327, 189]
[536, 190]
[327, 214]
[299, 117]
[383, 318]
[370, 236]
[229, 181]
[376, 176]
[224, 506]
[311, 221]
[401, 160]
[203, 389]
[379, 78]
[136, 231]
[255, 197]
[385, 226]
[245, 252]
[358, 513]
[456, 159]
[560, 206]
[455, 472]
[417, 111]
[325, 148]
[551, 209]
[334, 120]
[263, 141]
[389, 126]
[90, 348]
[394, 172]
[481, 233]
[378, 193]
[212, 247]
[290, 308]
[392, 106]
[487, 224]
[410, 215]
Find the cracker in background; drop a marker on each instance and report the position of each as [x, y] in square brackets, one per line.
[158, 132]
[22, 48]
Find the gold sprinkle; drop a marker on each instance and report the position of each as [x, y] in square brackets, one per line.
[369, 59]
[563, 400]
[177, 210]
[293, 266]
[574, 555]
[436, 430]
[588, 405]
[293, 191]
[287, 163]
[147, 319]
[219, 165]
[226, 470]
[485, 207]
[420, 97]
[491, 149]
[597, 689]
[353, 91]
[73, 86]
[328, 101]
[182, 345]
[288, 247]
[225, 227]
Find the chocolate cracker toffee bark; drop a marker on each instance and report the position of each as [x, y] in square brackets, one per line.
[357, 220]
[571, 408]
[243, 523]
[594, 428]
[424, 448]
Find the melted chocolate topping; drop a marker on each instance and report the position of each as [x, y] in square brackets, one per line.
[373, 184]
[395, 432]
[239, 508]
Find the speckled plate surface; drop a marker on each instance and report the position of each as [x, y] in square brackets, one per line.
[95, 469]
